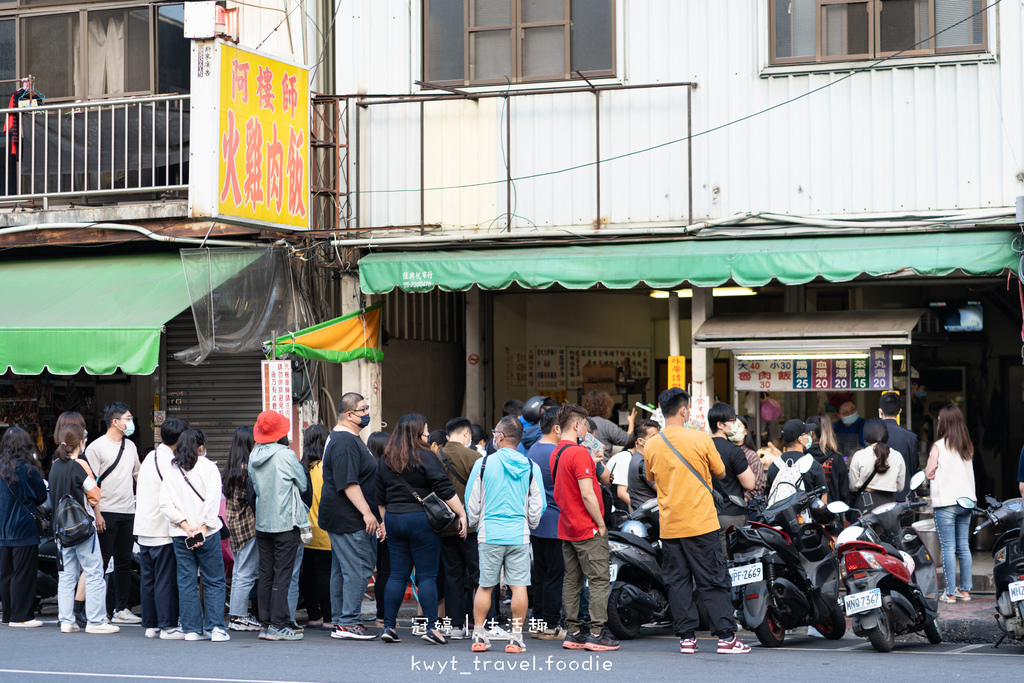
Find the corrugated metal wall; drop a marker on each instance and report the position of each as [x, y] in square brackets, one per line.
[909, 139]
[217, 396]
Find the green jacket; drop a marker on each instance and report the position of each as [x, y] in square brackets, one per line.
[278, 481]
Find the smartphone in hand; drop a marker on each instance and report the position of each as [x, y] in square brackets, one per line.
[192, 541]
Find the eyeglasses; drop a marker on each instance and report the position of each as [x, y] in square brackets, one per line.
[364, 409]
[496, 434]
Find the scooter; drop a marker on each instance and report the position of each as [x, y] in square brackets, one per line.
[784, 573]
[638, 595]
[1008, 563]
[890, 579]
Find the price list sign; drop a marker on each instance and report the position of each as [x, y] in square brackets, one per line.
[277, 387]
[817, 374]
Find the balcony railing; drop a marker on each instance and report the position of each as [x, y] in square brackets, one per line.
[95, 149]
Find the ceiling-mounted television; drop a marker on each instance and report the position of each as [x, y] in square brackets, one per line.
[960, 316]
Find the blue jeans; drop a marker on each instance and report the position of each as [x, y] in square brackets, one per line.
[293, 587]
[243, 578]
[411, 542]
[353, 557]
[82, 558]
[207, 559]
[954, 526]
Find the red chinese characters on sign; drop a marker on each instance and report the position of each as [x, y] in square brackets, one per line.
[296, 171]
[289, 93]
[265, 87]
[240, 80]
[253, 162]
[275, 170]
[228, 148]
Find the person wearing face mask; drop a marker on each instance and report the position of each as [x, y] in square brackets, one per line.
[739, 478]
[641, 489]
[823, 448]
[849, 430]
[798, 439]
[740, 436]
[459, 556]
[115, 460]
[900, 439]
[348, 513]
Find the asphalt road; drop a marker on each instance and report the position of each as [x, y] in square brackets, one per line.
[45, 655]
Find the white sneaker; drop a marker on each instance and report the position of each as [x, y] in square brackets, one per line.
[172, 634]
[219, 635]
[101, 628]
[69, 628]
[31, 623]
[197, 636]
[125, 617]
[458, 634]
[498, 633]
[152, 633]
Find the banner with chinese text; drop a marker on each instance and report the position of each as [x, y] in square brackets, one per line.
[250, 124]
[872, 372]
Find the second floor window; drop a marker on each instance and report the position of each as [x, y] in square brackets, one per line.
[478, 42]
[808, 31]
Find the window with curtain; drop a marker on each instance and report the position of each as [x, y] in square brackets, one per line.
[809, 31]
[469, 42]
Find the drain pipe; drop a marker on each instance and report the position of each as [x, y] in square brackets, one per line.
[124, 227]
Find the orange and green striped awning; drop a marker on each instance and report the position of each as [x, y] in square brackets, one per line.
[350, 337]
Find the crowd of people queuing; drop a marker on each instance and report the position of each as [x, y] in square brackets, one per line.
[530, 509]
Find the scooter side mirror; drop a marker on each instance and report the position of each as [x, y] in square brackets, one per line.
[966, 503]
[737, 500]
[837, 507]
[917, 480]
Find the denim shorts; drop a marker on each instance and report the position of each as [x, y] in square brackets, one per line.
[515, 558]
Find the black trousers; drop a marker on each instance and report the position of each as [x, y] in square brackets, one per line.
[549, 566]
[18, 566]
[277, 560]
[697, 558]
[117, 542]
[315, 583]
[381, 580]
[461, 561]
[159, 586]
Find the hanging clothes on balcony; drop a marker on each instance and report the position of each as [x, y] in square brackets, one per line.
[106, 54]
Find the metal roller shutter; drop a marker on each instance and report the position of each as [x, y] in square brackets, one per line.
[218, 396]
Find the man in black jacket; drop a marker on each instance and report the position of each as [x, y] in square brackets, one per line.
[900, 439]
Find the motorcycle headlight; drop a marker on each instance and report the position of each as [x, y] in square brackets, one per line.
[1001, 554]
[616, 547]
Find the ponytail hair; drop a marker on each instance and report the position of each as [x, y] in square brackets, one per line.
[187, 451]
[69, 437]
[876, 432]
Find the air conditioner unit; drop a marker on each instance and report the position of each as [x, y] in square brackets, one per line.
[205, 20]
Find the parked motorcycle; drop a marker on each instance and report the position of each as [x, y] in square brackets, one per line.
[890, 579]
[784, 573]
[47, 576]
[638, 594]
[1008, 563]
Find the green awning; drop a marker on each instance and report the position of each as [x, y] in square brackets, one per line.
[702, 262]
[98, 314]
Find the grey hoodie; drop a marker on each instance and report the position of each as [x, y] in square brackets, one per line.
[278, 481]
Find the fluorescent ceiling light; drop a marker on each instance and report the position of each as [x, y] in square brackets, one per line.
[717, 291]
[800, 356]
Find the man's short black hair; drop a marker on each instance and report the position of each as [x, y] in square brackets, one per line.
[513, 407]
[512, 428]
[548, 420]
[672, 401]
[644, 429]
[890, 404]
[719, 413]
[348, 403]
[114, 411]
[457, 424]
[170, 430]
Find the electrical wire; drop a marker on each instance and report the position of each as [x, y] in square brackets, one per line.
[702, 133]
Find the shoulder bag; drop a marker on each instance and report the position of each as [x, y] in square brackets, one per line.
[448, 467]
[439, 515]
[715, 495]
[862, 499]
[117, 460]
[42, 523]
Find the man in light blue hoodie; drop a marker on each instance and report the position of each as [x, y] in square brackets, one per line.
[504, 500]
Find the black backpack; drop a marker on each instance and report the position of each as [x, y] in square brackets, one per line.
[72, 524]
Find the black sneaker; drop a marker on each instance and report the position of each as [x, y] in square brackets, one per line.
[601, 643]
[354, 632]
[295, 627]
[575, 641]
[390, 635]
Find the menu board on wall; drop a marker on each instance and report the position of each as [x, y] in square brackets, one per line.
[548, 368]
[638, 359]
[872, 371]
[517, 363]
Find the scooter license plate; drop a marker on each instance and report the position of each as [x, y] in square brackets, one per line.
[748, 573]
[1017, 591]
[613, 572]
[862, 602]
